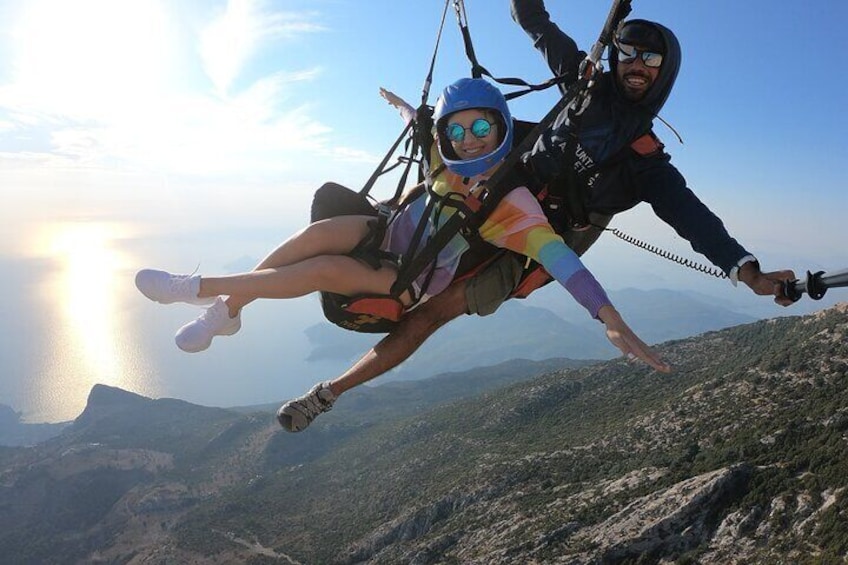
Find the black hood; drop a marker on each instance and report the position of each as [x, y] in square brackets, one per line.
[661, 89]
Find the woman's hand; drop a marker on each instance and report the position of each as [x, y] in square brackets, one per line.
[621, 336]
[392, 98]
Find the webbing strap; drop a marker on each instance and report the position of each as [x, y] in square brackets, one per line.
[429, 80]
[381, 168]
[478, 70]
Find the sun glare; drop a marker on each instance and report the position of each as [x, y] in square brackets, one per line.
[88, 267]
[87, 341]
[149, 85]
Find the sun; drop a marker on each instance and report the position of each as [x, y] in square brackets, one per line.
[92, 58]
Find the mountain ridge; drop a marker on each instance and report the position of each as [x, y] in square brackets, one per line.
[738, 456]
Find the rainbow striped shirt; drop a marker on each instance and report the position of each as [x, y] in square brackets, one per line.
[517, 223]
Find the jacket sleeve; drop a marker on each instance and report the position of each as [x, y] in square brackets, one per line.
[558, 49]
[562, 56]
[664, 188]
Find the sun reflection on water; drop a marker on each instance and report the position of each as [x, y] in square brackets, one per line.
[89, 342]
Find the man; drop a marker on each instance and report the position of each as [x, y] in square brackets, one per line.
[602, 162]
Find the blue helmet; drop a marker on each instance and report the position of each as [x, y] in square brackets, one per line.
[465, 94]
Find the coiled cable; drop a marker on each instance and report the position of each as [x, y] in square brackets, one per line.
[711, 271]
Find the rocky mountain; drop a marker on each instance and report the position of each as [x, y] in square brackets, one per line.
[739, 456]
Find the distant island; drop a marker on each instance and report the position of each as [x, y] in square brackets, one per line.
[15, 433]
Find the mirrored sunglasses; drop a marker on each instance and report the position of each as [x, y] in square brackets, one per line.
[480, 128]
[628, 53]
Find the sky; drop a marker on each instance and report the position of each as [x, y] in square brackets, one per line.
[191, 134]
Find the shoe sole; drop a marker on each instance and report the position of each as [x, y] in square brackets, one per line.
[286, 420]
[206, 346]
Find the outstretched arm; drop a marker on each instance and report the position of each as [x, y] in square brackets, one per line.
[559, 50]
[407, 112]
[519, 224]
[664, 187]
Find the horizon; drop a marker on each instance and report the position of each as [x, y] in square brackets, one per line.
[188, 392]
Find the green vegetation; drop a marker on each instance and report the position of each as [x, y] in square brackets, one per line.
[762, 394]
[450, 471]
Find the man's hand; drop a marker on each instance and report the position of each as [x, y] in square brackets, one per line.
[621, 336]
[766, 284]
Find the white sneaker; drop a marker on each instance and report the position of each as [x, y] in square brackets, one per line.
[166, 288]
[197, 335]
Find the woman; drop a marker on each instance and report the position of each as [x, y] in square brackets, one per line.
[473, 135]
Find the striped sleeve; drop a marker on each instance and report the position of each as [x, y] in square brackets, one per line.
[519, 224]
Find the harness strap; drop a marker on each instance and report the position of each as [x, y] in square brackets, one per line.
[478, 70]
[368, 249]
[428, 82]
[647, 145]
[418, 139]
[574, 196]
[399, 288]
[480, 201]
[381, 168]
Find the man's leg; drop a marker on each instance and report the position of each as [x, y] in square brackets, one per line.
[296, 415]
[481, 295]
[411, 332]
[484, 293]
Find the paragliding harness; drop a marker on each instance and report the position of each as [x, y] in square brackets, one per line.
[380, 313]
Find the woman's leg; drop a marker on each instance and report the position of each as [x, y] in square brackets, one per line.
[333, 236]
[332, 273]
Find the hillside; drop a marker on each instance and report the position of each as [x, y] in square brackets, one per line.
[739, 456]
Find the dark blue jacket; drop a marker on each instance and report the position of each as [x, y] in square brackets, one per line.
[617, 177]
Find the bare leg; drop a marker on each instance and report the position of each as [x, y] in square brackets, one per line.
[412, 331]
[332, 273]
[334, 236]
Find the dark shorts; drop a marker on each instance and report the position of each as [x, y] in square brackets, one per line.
[486, 291]
[489, 288]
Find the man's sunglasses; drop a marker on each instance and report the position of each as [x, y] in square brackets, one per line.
[480, 128]
[628, 53]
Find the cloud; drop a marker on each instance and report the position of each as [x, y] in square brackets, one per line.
[96, 108]
[235, 36]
